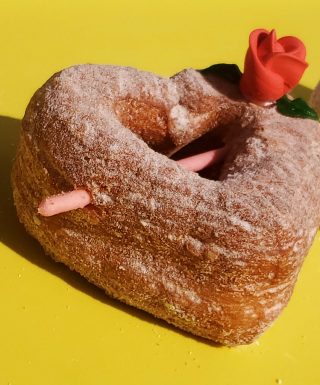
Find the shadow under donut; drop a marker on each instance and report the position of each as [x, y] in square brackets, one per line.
[14, 236]
[301, 92]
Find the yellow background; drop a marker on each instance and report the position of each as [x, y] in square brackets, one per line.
[55, 328]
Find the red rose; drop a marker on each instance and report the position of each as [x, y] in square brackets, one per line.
[272, 67]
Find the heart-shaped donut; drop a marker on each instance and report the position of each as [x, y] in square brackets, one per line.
[218, 258]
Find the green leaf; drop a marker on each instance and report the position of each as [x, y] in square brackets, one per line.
[229, 72]
[297, 108]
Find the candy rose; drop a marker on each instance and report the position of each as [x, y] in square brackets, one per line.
[272, 67]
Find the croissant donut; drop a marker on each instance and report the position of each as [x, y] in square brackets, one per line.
[218, 258]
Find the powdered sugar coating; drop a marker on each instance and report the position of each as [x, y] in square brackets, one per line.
[217, 258]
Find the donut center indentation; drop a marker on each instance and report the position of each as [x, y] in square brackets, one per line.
[147, 121]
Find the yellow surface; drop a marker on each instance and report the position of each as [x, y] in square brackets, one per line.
[57, 329]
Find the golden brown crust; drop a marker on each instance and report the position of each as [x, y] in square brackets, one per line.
[216, 258]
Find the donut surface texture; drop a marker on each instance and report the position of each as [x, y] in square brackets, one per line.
[217, 258]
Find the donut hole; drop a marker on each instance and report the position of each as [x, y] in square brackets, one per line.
[148, 121]
[151, 123]
[207, 142]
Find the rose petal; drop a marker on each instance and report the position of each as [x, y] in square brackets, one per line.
[272, 67]
[259, 83]
[293, 46]
[268, 46]
[288, 67]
